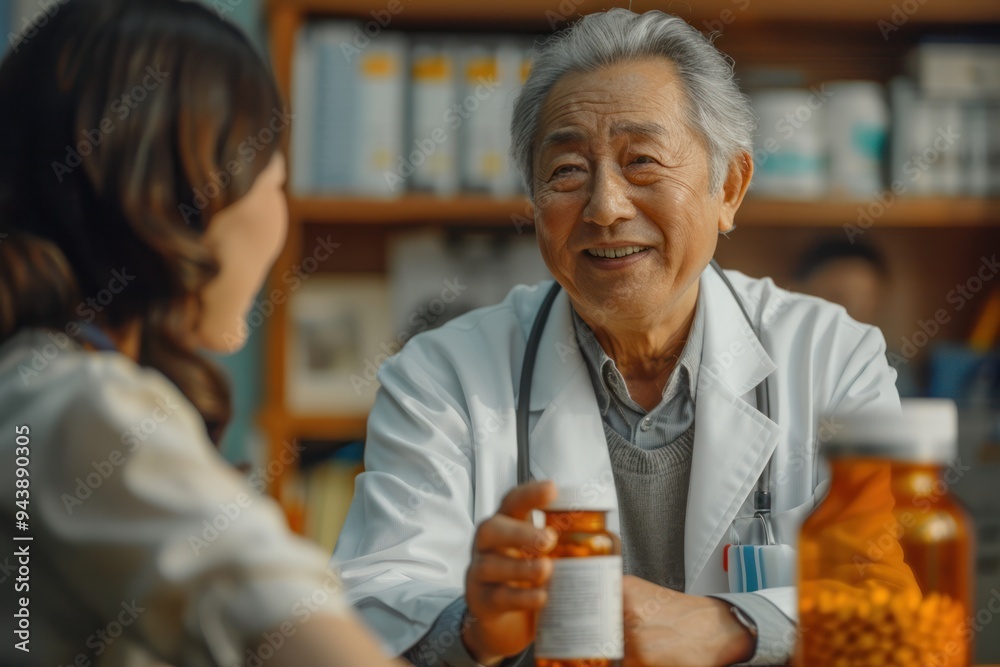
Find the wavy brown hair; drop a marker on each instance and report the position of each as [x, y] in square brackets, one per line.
[122, 119]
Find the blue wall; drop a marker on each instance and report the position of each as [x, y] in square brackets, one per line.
[247, 14]
[245, 368]
[6, 25]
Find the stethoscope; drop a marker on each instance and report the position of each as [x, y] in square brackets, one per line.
[762, 495]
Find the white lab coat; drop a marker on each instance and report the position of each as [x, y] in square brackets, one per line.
[441, 450]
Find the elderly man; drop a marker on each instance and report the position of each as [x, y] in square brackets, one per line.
[635, 145]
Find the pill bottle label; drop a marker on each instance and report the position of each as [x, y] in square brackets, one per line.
[583, 616]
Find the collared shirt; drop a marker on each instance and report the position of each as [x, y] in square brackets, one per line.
[672, 416]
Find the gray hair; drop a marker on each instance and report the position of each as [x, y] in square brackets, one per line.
[716, 108]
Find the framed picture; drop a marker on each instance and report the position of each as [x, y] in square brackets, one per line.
[338, 327]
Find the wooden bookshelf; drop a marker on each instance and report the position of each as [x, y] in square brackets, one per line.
[317, 427]
[759, 32]
[411, 209]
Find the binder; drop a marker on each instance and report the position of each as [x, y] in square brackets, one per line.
[477, 117]
[957, 70]
[431, 158]
[380, 76]
[302, 174]
[337, 138]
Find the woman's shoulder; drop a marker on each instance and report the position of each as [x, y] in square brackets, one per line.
[46, 373]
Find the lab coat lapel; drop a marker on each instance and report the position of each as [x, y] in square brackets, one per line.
[567, 437]
[733, 440]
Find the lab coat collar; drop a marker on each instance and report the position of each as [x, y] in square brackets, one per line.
[731, 350]
[559, 357]
[733, 439]
[567, 439]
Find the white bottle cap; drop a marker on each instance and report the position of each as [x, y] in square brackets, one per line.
[578, 498]
[925, 431]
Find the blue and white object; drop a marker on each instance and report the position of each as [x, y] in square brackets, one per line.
[790, 149]
[755, 567]
[857, 124]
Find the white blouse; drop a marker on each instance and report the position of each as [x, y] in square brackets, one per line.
[147, 547]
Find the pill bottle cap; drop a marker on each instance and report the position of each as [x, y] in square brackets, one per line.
[924, 431]
[578, 498]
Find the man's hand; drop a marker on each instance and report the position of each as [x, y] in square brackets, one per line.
[505, 583]
[664, 628]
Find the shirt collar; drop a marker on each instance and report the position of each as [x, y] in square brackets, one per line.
[601, 366]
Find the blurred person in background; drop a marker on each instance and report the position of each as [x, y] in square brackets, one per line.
[136, 226]
[856, 276]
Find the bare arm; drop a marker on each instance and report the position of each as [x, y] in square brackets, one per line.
[325, 641]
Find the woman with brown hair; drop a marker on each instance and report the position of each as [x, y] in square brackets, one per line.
[141, 206]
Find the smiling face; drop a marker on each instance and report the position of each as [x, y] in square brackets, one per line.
[624, 216]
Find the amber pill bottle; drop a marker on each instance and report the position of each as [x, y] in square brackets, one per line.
[885, 561]
[581, 624]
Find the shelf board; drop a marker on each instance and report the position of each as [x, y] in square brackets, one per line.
[316, 427]
[539, 14]
[411, 209]
[902, 212]
[755, 212]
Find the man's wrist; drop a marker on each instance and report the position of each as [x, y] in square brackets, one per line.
[472, 645]
[740, 634]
